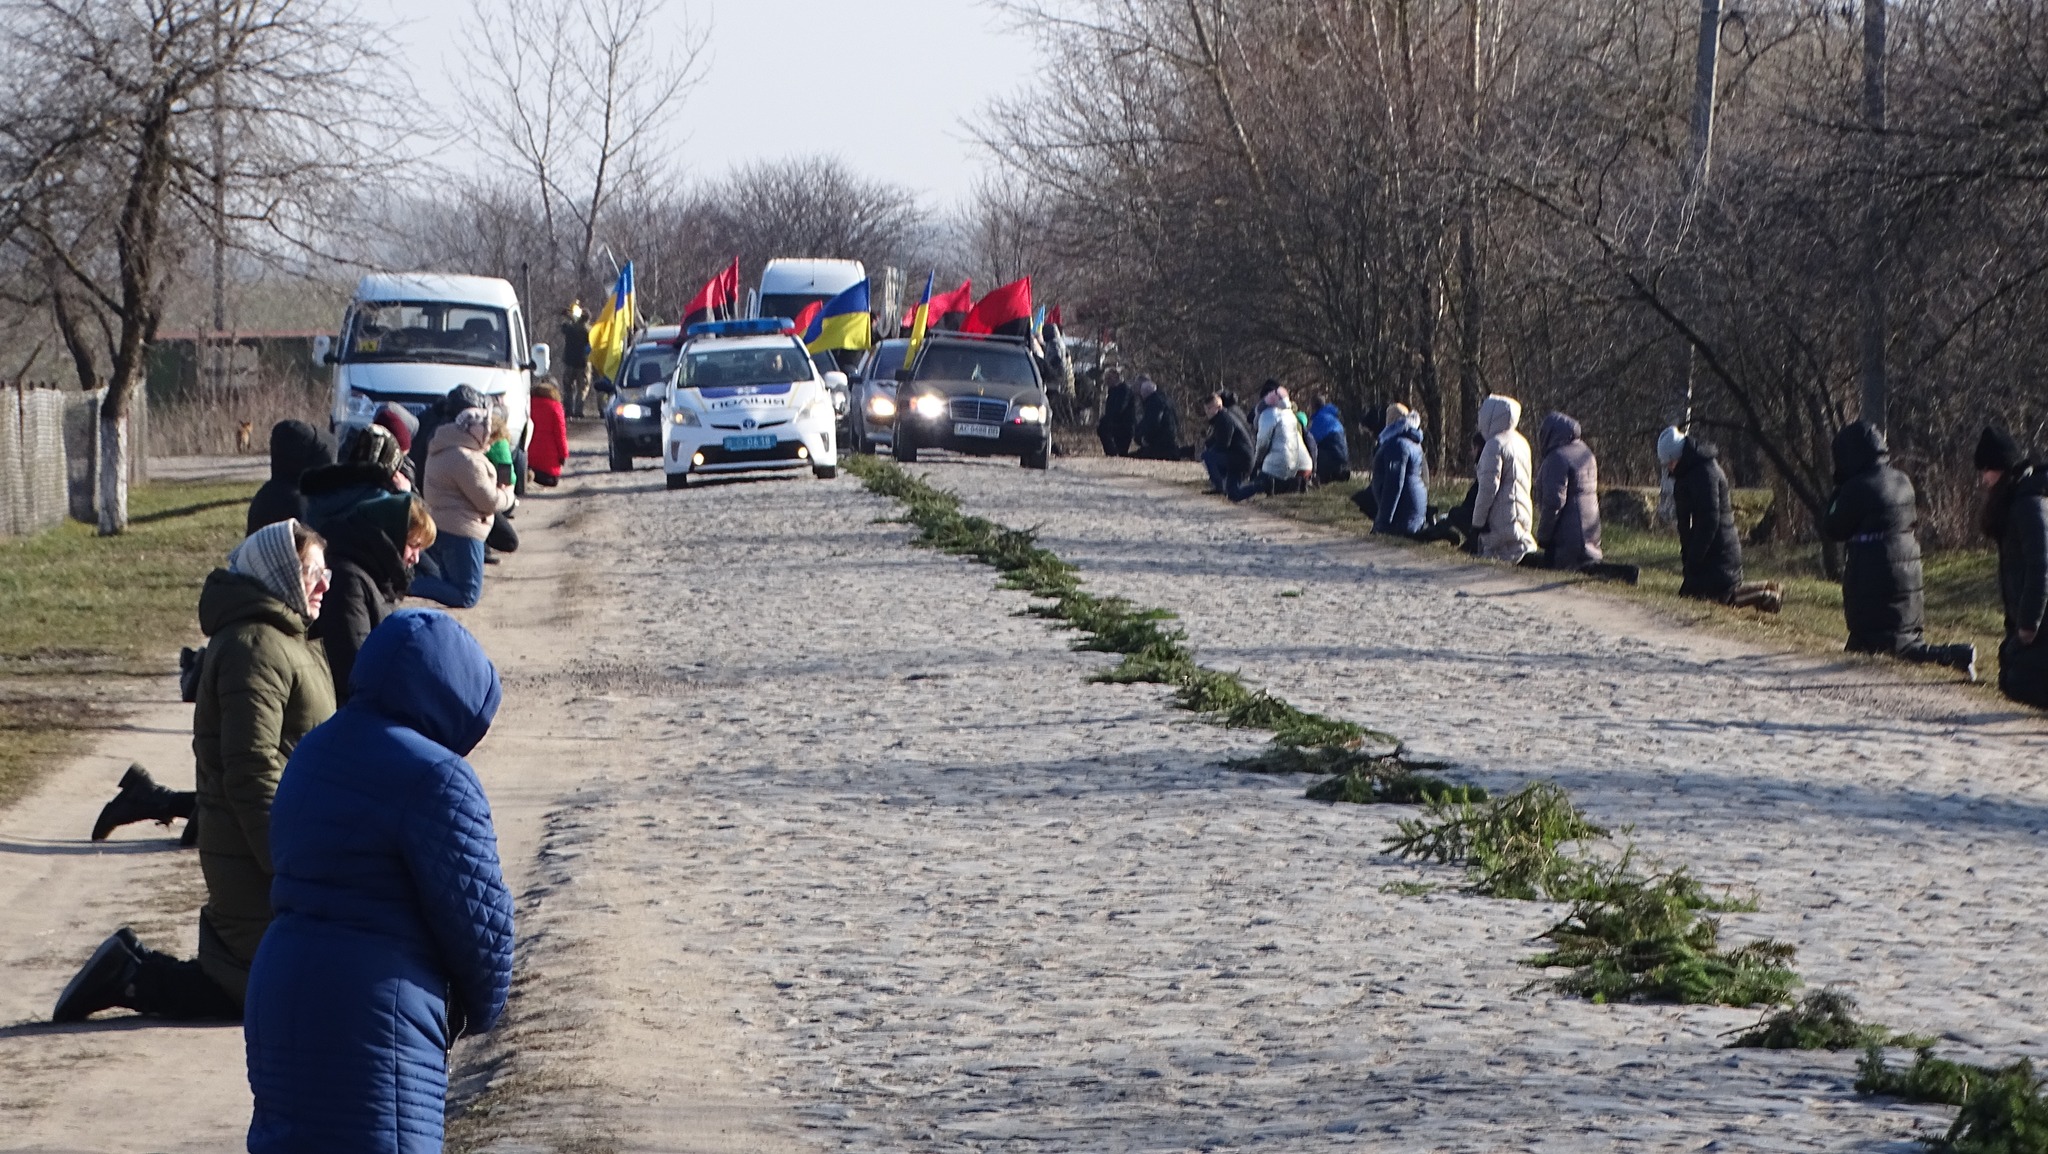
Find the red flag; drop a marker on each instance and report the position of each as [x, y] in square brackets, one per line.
[1006, 306]
[720, 292]
[1054, 317]
[957, 302]
[804, 318]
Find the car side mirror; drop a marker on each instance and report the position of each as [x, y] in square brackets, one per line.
[603, 386]
[836, 381]
[542, 361]
[323, 350]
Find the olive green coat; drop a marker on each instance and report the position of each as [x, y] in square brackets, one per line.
[262, 687]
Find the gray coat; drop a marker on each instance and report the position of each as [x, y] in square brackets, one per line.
[1567, 496]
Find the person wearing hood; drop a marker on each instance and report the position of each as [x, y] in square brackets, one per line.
[1119, 416]
[460, 399]
[262, 687]
[1502, 512]
[295, 447]
[1228, 453]
[465, 499]
[2016, 516]
[1158, 431]
[1873, 511]
[1280, 450]
[1400, 476]
[549, 451]
[372, 549]
[1709, 548]
[371, 465]
[1332, 447]
[394, 927]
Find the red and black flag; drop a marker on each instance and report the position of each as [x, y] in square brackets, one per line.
[1005, 311]
[719, 296]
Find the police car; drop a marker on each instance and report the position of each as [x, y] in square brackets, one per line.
[745, 398]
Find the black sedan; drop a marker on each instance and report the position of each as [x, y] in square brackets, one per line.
[976, 395]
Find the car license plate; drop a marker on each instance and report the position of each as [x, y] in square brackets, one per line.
[966, 430]
[750, 442]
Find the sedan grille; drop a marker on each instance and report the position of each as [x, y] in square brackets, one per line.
[986, 410]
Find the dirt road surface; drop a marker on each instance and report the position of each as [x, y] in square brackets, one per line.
[820, 845]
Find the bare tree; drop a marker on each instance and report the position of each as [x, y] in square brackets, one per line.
[116, 174]
[579, 95]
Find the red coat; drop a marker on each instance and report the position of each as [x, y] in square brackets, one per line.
[549, 450]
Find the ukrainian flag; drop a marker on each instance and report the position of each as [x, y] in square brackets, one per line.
[843, 323]
[922, 318]
[614, 327]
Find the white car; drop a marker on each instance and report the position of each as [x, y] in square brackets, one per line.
[745, 398]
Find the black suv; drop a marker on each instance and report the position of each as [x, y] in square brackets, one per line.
[632, 417]
[976, 395]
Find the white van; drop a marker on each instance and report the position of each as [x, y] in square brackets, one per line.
[411, 337]
[790, 285]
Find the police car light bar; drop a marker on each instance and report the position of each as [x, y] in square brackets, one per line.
[753, 327]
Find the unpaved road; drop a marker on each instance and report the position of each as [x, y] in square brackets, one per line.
[822, 846]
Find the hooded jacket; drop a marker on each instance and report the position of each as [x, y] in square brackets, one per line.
[1873, 511]
[437, 414]
[262, 687]
[1567, 495]
[331, 491]
[549, 449]
[1231, 439]
[1400, 480]
[365, 550]
[1707, 542]
[461, 485]
[394, 926]
[1119, 410]
[2017, 517]
[1501, 510]
[1332, 447]
[295, 447]
[1158, 432]
[1282, 447]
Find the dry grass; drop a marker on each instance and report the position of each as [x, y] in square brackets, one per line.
[203, 422]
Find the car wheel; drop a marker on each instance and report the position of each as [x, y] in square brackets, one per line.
[904, 448]
[621, 461]
[1039, 458]
[678, 480]
[824, 472]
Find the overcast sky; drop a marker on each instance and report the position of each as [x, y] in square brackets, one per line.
[888, 85]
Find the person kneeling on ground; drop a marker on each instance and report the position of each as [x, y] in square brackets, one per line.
[1283, 462]
[1501, 510]
[1332, 447]
[1400, 476]
[1709, 550]
[1228, 452]
[2016, 516]
[1567, 497]
[1119, 416]
[465, 499]
[295, 447]
[1873, 511]
[262, 687]
[393, 933]
[1158, 425]
[549, 450]
[372, 549]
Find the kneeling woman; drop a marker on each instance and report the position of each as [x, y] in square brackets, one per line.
[393, 927]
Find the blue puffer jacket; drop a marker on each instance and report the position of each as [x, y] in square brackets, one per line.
[1400, 480]
[392, 918]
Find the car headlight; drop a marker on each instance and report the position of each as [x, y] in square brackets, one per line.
[882, 408]
[360, 406]
[631, 412]
[1030, 414]
[930, 406]
[683, 416]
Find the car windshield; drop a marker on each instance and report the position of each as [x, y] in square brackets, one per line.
[649, 367]
[994, 365]
[887, 359]
[429, 331]
[718, 368]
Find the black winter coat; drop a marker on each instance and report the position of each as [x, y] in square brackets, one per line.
[1707, 540]
[1873, 512]
[1119, 410]
[1158, 429]
[370, 576]
[2017, 517]
[1232, 438]
[295, 447]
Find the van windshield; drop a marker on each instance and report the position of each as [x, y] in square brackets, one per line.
[790, 304]
[723, 368]
[436, 331]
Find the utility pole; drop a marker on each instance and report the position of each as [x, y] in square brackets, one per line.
[220, 213]
[1874, 313]
[1706, 67]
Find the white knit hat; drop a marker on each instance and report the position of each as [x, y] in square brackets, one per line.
[1670, 444]
[271, 556]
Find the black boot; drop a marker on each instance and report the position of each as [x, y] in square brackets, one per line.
[141, 799]
[103, 982]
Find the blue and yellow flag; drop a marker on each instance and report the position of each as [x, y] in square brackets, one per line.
[614, 327]
[843, 324]
[921, 319]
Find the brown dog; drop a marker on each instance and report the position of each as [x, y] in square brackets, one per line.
[243, 431]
